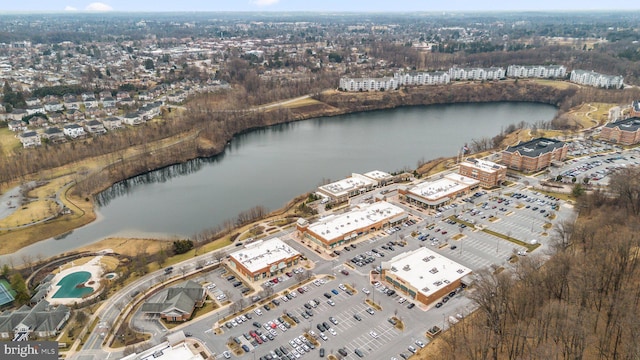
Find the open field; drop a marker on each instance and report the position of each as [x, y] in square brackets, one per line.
[30, 212]
[8, 141]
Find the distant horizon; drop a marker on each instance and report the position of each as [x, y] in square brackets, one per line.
[330, 6]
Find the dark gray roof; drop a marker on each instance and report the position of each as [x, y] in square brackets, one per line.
[181, 299]
[52, 131]
[630, 124]
[536, 147]
[636, 105]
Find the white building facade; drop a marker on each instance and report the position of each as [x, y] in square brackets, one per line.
[592, 78]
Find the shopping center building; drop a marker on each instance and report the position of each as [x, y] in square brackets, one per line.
[261, 259]
[341, 190]
[338, 229]
[433, 194]
[423, 275]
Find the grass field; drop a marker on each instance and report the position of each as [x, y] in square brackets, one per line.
[8, 141]
[29, 213]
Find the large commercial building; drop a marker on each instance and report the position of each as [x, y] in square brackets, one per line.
[423, 275]
[626, 131]
[336, 230]
[357, 184]
[261, 259]
[433, 194]
[592, 78]
[488, 173]
[534, 155]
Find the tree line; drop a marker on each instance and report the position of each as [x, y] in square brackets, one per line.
[579, 304]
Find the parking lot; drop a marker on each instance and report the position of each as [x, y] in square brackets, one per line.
[455, 231]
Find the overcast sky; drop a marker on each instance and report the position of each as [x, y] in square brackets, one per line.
[313, 5]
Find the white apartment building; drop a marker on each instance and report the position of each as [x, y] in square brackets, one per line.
[491, 73]
[74, 130]
[537, 71]
[368, 84]
[422, 78]
[592, 78]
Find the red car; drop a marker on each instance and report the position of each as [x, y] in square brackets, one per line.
[274, 280]
[444, 232]
[345, 272]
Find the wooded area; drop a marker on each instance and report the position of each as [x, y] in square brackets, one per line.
[582, 303]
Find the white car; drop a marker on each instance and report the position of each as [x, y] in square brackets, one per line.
[373, 334]
[420, 343]
[366, 291]
[221, 297]
[258, 312]
[402, 300]
[330, 302]
[333, 332]
[342, 287]
[323, 336]
[227, 355]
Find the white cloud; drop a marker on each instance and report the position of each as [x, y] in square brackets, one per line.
[264, 2]
[69, 8]
[98, 6]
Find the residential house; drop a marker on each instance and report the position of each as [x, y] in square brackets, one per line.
[75, 115]
[17, 114]
[53, 134]
[122, 95]
[32, 101]
[71, 102]
[41, 291]
[132, 118]
[95, 127]
[180, 303]
[144, 96]
[53, 106]
[105, 94]
[177, 97]
[87, 95]
[57, 118]
[30, 139]
[108, 102]
[112, 123]
[17, 125]
[90, 102]
[150, 110]
[39, 121]
[126, 102]
[35, 109]
[74, 131]
[40, 321]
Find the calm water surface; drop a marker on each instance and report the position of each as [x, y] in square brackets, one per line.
[270, 166]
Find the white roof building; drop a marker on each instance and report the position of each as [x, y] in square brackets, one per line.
[438, 192]
[165, 351]
[349, 225]
[264, 256]
[425, 273]
[343, 189]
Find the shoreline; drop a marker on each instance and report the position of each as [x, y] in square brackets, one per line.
[327, 104]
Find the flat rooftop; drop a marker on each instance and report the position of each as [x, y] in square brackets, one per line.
[344, 186]
[260, 254]
[434, 190]
[426, 270]
[377, 175]
[484, 165]
[165, 351]
[361, 217]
